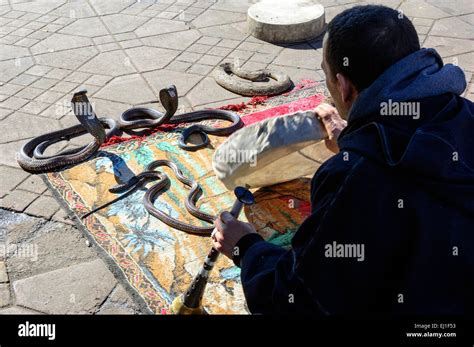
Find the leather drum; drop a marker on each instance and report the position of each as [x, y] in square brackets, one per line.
[275, 150]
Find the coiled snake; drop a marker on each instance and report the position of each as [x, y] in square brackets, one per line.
[251, 83]
[32, 158]
[163, 181]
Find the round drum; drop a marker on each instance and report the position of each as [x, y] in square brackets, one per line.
[272, 151]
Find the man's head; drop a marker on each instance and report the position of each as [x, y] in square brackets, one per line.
[360, 44]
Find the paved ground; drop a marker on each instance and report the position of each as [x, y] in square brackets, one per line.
[123, 52]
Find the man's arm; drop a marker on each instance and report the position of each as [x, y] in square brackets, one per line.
[334, 125]
[276, 280]
[268, 277]
[269, 273]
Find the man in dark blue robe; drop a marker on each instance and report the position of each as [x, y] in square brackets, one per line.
[392, 224]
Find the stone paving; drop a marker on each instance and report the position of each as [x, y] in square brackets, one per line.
[124, 52]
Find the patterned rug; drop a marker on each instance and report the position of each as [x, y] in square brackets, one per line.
[157, 262]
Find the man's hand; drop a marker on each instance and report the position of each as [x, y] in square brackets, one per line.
[228, 232]
[333, 123]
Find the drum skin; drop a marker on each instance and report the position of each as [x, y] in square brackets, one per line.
[275, 150]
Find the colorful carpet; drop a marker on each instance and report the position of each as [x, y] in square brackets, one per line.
[159, 262]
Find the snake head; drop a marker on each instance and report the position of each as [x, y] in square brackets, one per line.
[85, 114]
[169, 99]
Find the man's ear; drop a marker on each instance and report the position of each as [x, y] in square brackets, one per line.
[346, 88]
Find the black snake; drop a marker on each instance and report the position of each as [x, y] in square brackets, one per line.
[31, 157]
[251, 83]
[163, 181]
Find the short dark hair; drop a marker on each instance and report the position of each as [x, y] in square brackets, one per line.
[364, 41]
